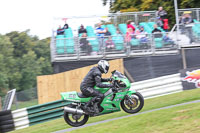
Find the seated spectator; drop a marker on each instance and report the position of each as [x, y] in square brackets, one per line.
[129, 25]
[82, 30]
[66, 26]
[186, 19]
[187, 26]
[118, 37]
[142, 35]
[106, 32]
[157, 33]
[85, 45]
[99, 30]
[168, 40]
[60, 31]
[109, 43]
[129, 34]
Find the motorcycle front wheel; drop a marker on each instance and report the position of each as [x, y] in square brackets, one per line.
[75, 120]
[132, 104]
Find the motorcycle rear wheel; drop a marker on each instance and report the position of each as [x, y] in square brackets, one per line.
[132, 104]
[75, 120]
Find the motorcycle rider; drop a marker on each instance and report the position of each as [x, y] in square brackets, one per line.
[92, 79]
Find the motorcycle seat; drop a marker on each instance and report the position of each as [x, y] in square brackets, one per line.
[81, 95]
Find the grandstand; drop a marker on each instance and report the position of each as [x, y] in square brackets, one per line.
[66, 47]
[66, 53]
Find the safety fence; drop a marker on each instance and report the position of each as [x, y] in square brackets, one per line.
[159, 86]
[111, 47]
[37, 114]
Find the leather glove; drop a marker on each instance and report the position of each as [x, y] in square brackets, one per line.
[114, 89]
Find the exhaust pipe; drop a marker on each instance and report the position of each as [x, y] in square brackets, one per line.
[73, 111]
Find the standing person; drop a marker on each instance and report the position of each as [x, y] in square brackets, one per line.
[99, 30]
[161, 15]
[100, 34]
[92, 79]
[84, 44]
[129, 25]
[82, 30]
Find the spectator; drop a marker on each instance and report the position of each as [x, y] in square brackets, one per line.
[161, 16]
[99, 30]
[118, 38]
[187, 26]
[168, 40]
[109, 43]
[186, 19]
[66, 26]
[142, 35]
[60, 31]
[157, 33]
[85, 45]
[129, 25]
[107, 33]
[129, 34]
[82, 30]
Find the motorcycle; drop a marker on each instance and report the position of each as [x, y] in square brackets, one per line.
[129, 100]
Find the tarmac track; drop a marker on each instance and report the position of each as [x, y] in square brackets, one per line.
[96, 123]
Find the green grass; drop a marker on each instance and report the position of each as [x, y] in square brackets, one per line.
[183, 119]
[24, 104]
[153, 103]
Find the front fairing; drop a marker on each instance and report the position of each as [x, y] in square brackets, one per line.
[121, 79]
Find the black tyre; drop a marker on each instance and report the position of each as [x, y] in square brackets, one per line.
[5, 112]
[6, 130]
[6, 122]
[9, 126]
[6, 117]
[133, 104]
[75, 120]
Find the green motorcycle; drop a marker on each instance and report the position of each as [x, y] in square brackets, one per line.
[129, 100]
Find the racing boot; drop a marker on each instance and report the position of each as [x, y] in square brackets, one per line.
[87, 108]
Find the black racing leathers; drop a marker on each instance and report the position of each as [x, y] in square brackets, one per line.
[93, 78]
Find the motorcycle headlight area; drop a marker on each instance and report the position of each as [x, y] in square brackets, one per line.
[121, 84]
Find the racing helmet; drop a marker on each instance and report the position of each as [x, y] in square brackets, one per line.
[103, 65]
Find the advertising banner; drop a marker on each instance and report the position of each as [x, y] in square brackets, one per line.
[190, 78]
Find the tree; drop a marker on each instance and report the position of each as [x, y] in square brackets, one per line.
[6, 60]
[149, 5]
[22, 59]
[22, 42]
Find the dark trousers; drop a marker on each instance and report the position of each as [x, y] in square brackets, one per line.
[91, 92]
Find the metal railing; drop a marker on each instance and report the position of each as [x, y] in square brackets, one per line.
[194, 12]
[136, 17]
[111, 47]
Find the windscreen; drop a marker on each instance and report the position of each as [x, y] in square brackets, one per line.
[118, 74]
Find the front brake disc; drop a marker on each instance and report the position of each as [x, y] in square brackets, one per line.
[133, 103]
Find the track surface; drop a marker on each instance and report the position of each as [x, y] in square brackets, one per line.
[96, 123]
